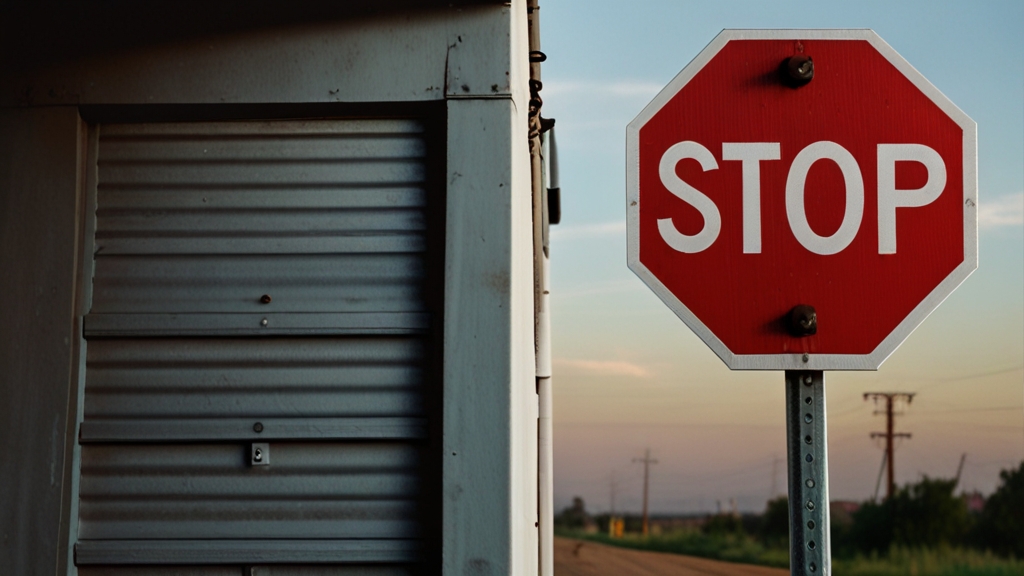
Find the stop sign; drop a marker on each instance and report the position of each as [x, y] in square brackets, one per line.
[802, 168]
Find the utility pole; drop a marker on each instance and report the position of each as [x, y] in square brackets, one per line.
[891, 398]
[878, 482]
[613, 487]
[647, 467]
[960, 469]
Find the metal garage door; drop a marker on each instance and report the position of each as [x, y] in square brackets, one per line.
[261, 382]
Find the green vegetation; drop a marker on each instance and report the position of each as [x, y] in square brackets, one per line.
[928, 562]
[1001, 525]
[924, 530]
[925, 514]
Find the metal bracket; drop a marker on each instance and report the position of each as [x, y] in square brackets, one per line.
[810, 546]
[259, 454]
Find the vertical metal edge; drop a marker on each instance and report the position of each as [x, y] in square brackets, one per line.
[545, 432]
[86, 202]
[794, 473]
[88, 222]
[820, 428]
[64, 557]
[435, 121]
[809, 528]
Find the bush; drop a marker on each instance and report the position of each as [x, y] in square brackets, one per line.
[924, 514]
[1000, 527]
[722, 525]
[928, 514]
[774, 530]
[573, 517]
[871, 532]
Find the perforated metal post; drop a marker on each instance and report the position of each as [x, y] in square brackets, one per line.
[807, 449]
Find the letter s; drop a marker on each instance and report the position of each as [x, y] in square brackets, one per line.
[712, 218]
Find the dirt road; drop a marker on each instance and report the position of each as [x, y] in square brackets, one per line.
[579, 558]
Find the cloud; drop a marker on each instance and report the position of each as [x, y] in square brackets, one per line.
[600, 288]
[593, 114]
[1005, 210]
[606, 367]
[591, 89]
[586, 231]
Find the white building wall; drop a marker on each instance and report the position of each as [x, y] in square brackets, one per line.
[475, 57]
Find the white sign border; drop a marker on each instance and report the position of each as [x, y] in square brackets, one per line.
[799, 361]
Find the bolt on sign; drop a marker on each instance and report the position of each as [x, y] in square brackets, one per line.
[802, 200]
[814, 169]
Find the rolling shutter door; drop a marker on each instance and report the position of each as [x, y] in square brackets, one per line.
[260, 383]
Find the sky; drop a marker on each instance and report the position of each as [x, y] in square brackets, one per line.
[630, 376]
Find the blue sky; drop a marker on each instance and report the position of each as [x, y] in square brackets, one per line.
[629, 375]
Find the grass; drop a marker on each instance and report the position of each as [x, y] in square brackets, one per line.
[929, 562]
[746, 550]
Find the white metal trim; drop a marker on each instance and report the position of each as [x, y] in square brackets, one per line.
[490, 405]
[873, 360]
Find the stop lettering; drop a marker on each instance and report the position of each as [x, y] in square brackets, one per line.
[751, 154]
[854, 193]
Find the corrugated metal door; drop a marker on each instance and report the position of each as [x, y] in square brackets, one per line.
[261, 377]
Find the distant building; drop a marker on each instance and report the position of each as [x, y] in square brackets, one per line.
[846, 506]
[975, 501]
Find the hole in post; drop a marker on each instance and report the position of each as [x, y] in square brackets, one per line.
[807, 400]
[812, 567]
[809, 483]
[809, 458]
[810, 505]
[810, 524]
[811, 545]
[808, 418]
[807, 439]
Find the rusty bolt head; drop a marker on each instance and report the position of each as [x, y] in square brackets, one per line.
[265, 299]
[802, 321]
[257, 427]
[798, 70]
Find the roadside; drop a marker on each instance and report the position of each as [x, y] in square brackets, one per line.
[584, 558]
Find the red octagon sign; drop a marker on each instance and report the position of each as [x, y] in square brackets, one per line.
[749, 195]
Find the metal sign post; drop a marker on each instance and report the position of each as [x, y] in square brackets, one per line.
[807, 453]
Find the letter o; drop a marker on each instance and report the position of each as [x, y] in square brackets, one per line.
[796, 210]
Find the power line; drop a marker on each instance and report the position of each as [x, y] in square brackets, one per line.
[891, 398]
[953, 379]
[647, 467]
[984, 409]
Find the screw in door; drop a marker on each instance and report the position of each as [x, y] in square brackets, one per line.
[259, 454]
